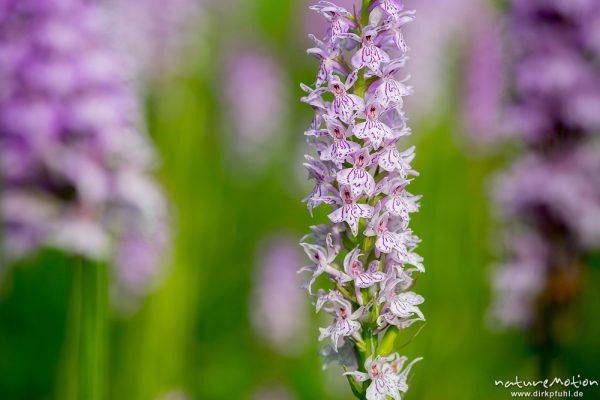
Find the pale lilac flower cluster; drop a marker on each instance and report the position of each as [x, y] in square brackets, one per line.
[556, 79]
[484, 84]
[74, 164]
[277, 309]
[153, 35]
[520, 280]
[551, 195]
[434, 56]
[368, 251]
[255, 103]
[275, 392]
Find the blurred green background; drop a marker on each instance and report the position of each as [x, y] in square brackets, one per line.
[193, 336]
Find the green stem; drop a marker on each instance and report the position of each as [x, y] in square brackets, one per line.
[85, 367]
[355, 387]
[346, 293]
[360, 85]
[548, 342]
[387, 343]
[364, 18]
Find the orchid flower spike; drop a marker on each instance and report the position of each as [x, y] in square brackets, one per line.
[366, 250]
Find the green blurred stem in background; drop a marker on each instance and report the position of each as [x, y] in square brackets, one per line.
[387, 343]
[365, 12]
[84, 363]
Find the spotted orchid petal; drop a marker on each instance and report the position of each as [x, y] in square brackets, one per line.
[338, 17]
[315, 253]
[341, 147]
[329, 9]
[313, 96]
[404, 279]
[351, 214]
[390, 92]
[358, 376]
[384, 382]
[381, 186]
[370, 55]
[381, 387]
[412, 258]
[373, 129]
[370, 277]
[391, 160]
[318, 171]
[343, 326]
[400, 203]
[387, 241]
[404, 305]
[322, 259]
[350, 211]
[333, 296]
[352, 263]
[344, 105]
[402, 374]
[358, 178]
[386, 375]
[393, 36]
[351, 80]
[339, 329]
[331, 200]
[389, 318]
[391, 7]
[329, 61]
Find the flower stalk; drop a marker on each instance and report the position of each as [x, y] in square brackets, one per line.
[84, 363]
[91, 280]
[367, 252]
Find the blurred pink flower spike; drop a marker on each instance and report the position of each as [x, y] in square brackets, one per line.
[278, 314]
[76, 164]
